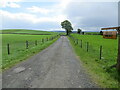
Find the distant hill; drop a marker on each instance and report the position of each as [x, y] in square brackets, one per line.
[39, 32]
[24, 31]
[74, 31]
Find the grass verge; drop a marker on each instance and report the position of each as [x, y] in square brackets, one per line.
[94, 67]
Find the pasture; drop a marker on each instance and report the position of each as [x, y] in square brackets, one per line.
[24, 31]
[99, 68]
[17, 45]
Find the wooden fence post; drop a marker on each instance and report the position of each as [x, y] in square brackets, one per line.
[42, 40]
[26, 44]
[8, 48]
[118, 58]
[81, 44]
[36, 42]
[100, 52]
[47, 38]
[76, 41]
[87, 46]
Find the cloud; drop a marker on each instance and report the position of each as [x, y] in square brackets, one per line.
[9, 3]
[13, 5]
[94, 15]
[26, 20]
[31, 17]
[36, 9]
[71, 0]
[64, 3]
[51, 20]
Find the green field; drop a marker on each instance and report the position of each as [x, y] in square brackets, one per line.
[18, 51]
[17, 31]
[99, 69]
[92, 33]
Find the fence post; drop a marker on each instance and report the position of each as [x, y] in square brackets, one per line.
[100, 52]
[81, 44]
[76, 41]
[87, 46]
[8, 48]
[42, 40]
[26, 44]
[36, 42]
[47, 38]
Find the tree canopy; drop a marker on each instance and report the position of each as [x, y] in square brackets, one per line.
[67, 26]
[79, 31]
[101, 32]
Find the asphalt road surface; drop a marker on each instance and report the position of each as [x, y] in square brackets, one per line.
[54, 67]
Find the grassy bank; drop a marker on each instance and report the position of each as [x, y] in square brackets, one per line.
[98, 69]
[18, 51]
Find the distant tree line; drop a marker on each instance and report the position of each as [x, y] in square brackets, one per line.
[79, 31]
[68, 27]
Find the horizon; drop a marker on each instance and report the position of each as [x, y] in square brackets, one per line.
[57, 30]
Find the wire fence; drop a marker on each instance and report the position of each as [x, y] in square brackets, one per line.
[107, 56]
[21, 46]
[17, 50]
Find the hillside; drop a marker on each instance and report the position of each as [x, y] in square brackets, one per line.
[24, 31]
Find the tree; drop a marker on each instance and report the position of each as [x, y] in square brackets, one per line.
[101, 32]
[79, 31]
[83, 33]
[67, 26]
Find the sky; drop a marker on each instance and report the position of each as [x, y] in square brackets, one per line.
[48, 14]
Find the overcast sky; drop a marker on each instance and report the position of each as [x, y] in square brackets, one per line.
[47, 15]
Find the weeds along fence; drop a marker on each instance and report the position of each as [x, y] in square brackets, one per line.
[22, 46]
[101, 54]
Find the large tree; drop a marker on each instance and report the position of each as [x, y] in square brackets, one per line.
[67, 26]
